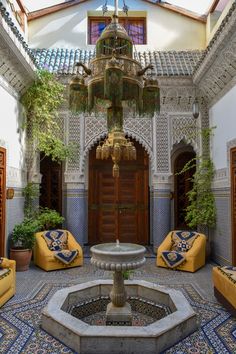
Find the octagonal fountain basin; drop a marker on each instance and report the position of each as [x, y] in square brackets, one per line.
[168, 315]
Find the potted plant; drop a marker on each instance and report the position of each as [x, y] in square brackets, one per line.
[49, 219]
[22, 243]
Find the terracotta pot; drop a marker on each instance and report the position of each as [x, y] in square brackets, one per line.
[22, 258]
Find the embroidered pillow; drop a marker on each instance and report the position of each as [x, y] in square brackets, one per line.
[229, 271]
[4, 272]
[56, 240]
[172, 258]
[182, 241]
[66, 256]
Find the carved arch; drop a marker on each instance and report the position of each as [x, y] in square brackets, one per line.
[103, 135]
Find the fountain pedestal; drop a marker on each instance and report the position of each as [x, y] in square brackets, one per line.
[118, 310]
[118, 257]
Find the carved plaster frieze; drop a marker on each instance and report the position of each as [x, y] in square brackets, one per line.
[161, 181]
[16, 67]
[161, 142]
[178, 99]
[174, 81]
[16, 177]
[221, 179]
[94, 126]
[7, 87]
[183, 127]
[142, 126]
[96, 129]
[72, 126]
[217, 44]
[218, 67]
[73, 177]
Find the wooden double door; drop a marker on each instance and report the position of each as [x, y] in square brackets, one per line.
[119, 207]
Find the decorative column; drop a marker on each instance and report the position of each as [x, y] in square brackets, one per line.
[75, 206]
[75, 194]
[161, 209]
[160, 192]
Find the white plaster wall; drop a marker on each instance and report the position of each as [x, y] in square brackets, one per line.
[223, 116]
[11, 137]
[166, 30]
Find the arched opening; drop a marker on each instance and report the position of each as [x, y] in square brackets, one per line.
[51, 184]
[182, 185]
[118, 208]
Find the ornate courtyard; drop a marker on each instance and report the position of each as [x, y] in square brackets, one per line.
[20, 318]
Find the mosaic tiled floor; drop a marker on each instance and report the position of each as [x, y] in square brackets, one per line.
[20, 330]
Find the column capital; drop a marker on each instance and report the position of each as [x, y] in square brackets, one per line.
[161, 181]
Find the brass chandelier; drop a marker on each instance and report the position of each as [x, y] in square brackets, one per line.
[115, 79]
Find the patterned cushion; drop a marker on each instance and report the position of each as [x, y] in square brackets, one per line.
[172, 258]
[66, 256]
[56, 240]
[182, 241]
[229, 271]
[4, 272]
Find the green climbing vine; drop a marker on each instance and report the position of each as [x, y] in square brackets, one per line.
[201, 210]
[42, 101]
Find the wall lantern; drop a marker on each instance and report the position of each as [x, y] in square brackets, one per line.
[195, 108]
[10, 193]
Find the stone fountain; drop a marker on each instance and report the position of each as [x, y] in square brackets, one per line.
[65, 316]
[118, 258]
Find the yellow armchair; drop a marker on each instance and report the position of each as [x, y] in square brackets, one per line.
[44, 257]
[225, 287]
[7, 280]
[194, 258]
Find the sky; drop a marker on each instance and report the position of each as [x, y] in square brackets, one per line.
[199, 6]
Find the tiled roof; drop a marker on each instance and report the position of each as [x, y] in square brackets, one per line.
[168, 63]
[6, 16]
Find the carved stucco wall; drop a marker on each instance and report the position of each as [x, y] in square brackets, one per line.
[157, 135]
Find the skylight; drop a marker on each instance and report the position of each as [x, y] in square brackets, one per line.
[198, 6]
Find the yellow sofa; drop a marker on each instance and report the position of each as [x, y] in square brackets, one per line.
[7, 280]
[225, 288]
[195, 257]
[44, 257]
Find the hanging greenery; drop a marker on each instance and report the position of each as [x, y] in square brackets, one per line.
[42, 101]
[201, 210]
[31, 194]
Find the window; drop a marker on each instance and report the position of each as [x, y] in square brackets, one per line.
[135, 27]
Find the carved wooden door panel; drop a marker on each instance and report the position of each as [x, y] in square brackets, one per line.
[183, 185]
[51, 184]
[233, 203]
[118, 207]
[2, 200]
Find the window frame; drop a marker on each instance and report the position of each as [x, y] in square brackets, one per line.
[124, 21]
